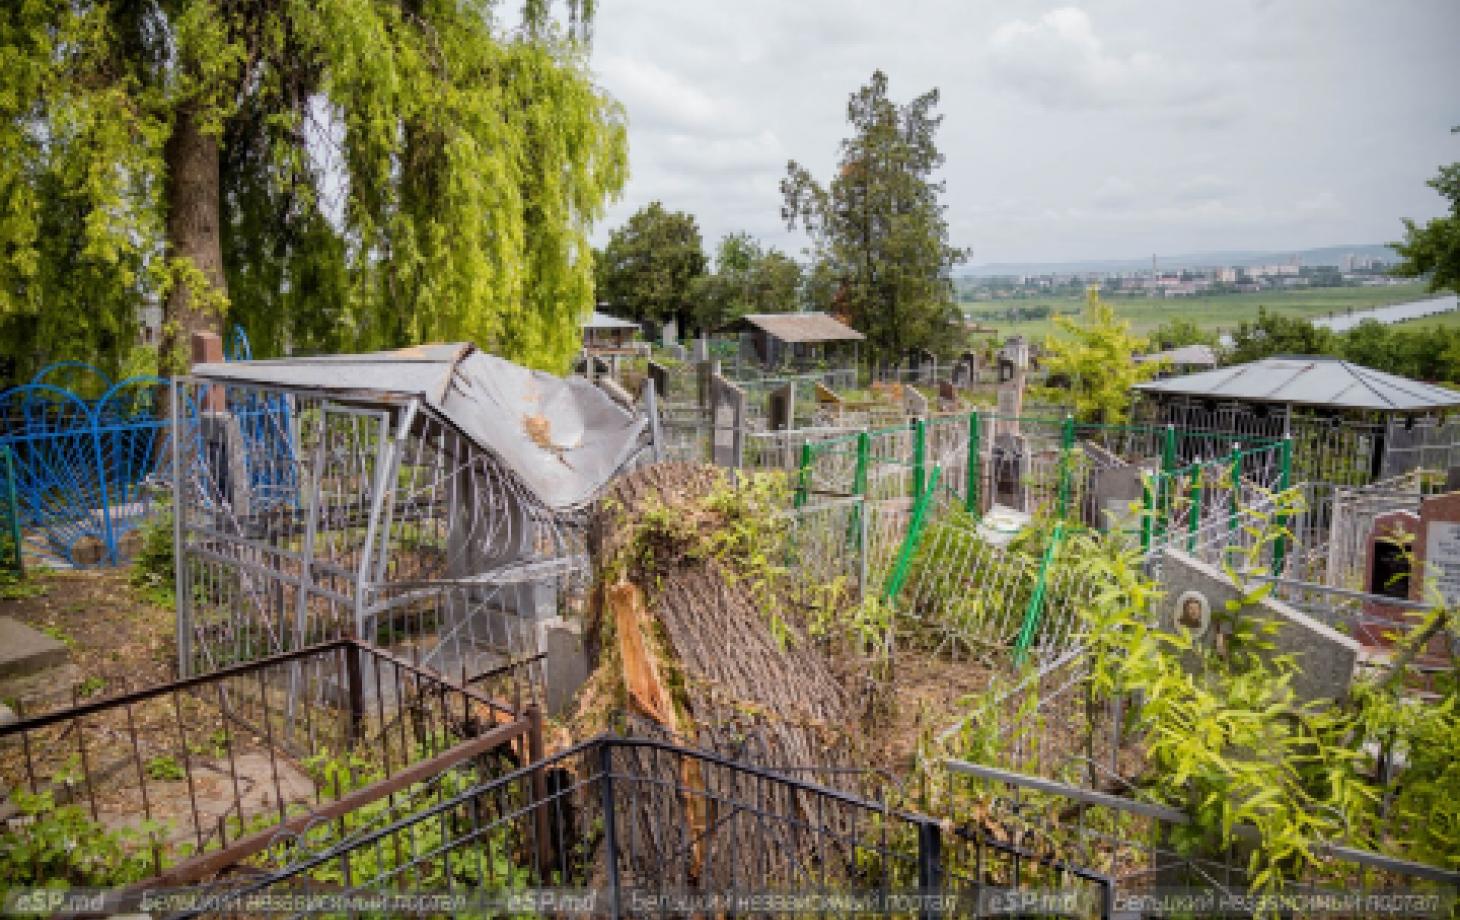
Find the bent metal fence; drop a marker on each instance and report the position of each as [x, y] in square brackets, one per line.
[639, 827]
[195, 776]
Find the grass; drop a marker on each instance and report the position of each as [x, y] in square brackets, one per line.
[1216, 312]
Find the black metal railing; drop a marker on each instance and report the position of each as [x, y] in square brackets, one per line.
[637, 823]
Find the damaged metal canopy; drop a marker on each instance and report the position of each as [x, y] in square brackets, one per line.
[563, 438]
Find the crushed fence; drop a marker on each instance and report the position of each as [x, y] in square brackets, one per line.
[301, 519]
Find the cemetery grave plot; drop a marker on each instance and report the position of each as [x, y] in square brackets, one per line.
[426, 499]
[192, 777]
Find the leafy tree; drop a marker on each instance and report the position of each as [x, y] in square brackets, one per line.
[1434, 249]
[357, 172]
[1272, 334]
[649, 267]
[1097, 358]
[748, 278]
[1178, 333]
[879, 227]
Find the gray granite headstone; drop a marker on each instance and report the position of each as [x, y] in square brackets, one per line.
[727, 414]
[1010, 463]
[1195, 597]
[702, 349]
[707, 372]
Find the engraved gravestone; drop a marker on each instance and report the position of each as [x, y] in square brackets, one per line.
[947, 393]
[1437, 550]
[1195, 598]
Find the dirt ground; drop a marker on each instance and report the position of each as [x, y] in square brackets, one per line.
[118, 639]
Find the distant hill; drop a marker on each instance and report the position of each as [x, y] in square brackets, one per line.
[1325, 255]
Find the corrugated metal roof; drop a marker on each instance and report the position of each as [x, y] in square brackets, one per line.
[583, 437]
[1310, 381]
[1187, 354]
[604, 321]
[797, 327]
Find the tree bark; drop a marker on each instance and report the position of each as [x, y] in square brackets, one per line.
[192, 197]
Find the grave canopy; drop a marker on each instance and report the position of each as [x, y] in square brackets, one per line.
[1304, 380]
[563, 438]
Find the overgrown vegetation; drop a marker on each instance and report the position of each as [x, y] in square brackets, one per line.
[1219, 733]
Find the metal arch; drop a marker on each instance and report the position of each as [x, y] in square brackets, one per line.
[54, 443]
[239, 347]
[40, 376]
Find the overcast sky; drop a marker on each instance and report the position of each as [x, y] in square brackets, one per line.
[1110, 129]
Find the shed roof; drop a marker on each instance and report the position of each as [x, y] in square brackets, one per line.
[604, 321]
[796, 327]
[490, 400]
[1310, 381]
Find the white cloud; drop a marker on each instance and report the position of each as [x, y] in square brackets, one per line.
[660, 100]
[1117, 128]
[1059, 61]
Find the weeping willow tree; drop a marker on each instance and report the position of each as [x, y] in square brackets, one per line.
[327, 173]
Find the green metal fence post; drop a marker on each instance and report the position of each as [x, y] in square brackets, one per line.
[920, 435]
[12, 500]
[970, 496]
[910, 542]
[1035, 609]
[1193, 515]
[803, 477]
[1067, 444]
[1285, 482]
[859, 488]
[1148, 511]
[1167, 478]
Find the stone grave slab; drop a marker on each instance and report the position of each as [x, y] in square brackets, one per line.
[24, 650]
[1196, 596]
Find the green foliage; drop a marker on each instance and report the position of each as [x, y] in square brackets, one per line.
[1225, 738]
[1096, 358]
[475, 854]
[154, 569]
[1178, 333]
[164, 768]
[59, 846]
[748, 278]
[1425, 353]
[650, 266]
[1434, 249]
[879, 233]
[475, 160]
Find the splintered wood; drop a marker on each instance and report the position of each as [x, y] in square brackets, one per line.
[681, 644]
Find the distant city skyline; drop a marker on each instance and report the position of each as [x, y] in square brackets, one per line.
[1105, 130]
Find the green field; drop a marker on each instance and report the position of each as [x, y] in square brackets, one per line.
[1449, 320]
[1217, 312]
